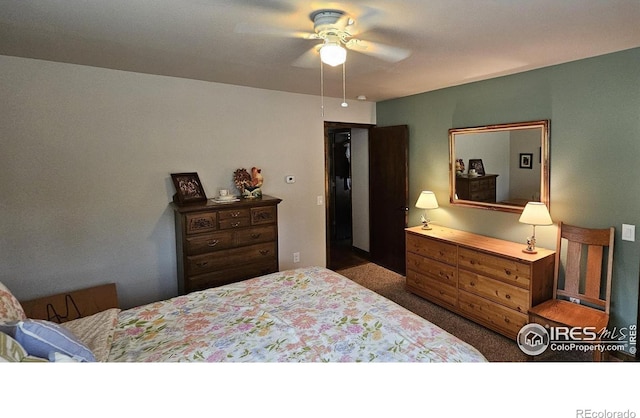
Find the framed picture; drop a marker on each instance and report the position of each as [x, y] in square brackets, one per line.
[188, 188]
[478, 166]
[526, 160]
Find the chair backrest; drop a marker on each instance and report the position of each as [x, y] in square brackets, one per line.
[584, 267]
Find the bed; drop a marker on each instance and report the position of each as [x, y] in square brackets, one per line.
[305, 315]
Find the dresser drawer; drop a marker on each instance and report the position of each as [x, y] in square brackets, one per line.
[484, 196]
[504, 320]
[200, 222]
[230, 275]
[256, 235]
[210, 242]
[483, 184]
[505, 294]
[430, 288]
[263, 215]
[437, 250]
[442, 272]
[505, 269]
[234, 214]
[233, 223]
[205, 263]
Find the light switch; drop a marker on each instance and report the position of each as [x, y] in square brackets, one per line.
[628, 232]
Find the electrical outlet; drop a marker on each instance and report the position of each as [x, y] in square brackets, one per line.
[296, 257]
[319, 201]
[574, 300]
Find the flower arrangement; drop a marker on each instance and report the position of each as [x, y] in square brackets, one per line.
[249, 184]
[459, 166]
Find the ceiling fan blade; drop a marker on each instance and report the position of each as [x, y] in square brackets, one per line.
[381, 51]
[253, 29]
[310, 59]
[269, 5]
[344, 21]
[366, 21]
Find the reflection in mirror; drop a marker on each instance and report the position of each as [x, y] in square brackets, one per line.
[500, 167]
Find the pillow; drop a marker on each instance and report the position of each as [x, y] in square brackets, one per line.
[41, 338]
[96, 331]
[62, 358]
[10, 308]
[12, 351]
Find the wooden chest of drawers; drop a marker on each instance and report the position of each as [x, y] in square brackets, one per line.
[478, 189]
[221, 243]
[490, 281]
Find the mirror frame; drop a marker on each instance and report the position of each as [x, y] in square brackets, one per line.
[544, 169]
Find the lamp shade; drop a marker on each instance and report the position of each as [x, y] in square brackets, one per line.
[331, 53]
[427, 200]
[536, 213]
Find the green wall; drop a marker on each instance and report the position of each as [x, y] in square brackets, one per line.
[594, 109]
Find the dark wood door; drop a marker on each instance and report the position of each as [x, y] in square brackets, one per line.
[389, 195]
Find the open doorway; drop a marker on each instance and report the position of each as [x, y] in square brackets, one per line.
[366, 223]
[347, 178]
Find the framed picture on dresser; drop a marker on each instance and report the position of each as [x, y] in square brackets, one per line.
[188, 188]
[476, 164]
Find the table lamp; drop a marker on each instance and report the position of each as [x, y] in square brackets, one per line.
[534, 213]
[427, 200]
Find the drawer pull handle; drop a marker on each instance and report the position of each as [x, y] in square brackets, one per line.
[235, 224]
[213, 242]
[255, 236]
[235, 214]
[507, 296]
[507, 272]
[202, 264]
[264, 252]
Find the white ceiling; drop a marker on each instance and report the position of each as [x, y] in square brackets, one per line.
[452, 42]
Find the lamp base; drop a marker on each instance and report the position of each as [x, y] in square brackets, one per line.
[531, 245]
[426, 226]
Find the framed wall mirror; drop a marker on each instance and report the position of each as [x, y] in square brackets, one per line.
[499, 167]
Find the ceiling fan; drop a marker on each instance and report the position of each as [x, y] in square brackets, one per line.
[337, 30]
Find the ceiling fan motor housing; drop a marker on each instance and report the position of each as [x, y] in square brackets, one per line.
[324, 22]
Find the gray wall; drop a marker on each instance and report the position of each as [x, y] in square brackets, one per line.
[594, 109]
[85, 159]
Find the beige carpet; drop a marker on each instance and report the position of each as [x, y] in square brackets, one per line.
[492, 345]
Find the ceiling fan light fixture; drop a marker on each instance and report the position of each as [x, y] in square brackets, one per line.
[331, 53]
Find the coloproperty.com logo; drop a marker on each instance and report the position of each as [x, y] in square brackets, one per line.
[535, 339]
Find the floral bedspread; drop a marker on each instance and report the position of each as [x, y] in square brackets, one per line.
[305, 315]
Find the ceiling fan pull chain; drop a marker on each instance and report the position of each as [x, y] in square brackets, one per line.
[344, 88]
[321, 88]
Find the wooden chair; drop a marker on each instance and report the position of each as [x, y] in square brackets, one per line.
[581, 301]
